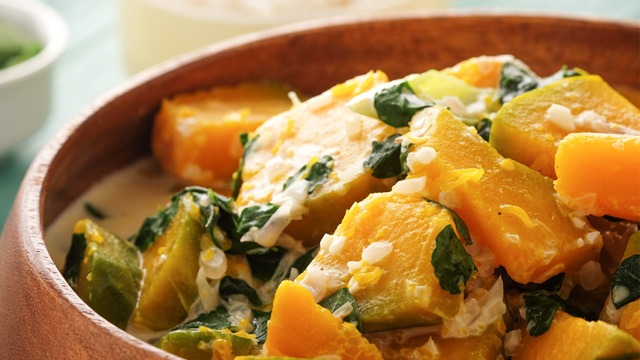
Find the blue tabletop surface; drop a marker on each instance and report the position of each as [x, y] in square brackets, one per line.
[92, 64]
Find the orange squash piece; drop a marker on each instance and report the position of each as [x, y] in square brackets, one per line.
[321, 126]
[529, 127]
[510, 209]
[481, 71]
[571, 338]
[400, 289]
[600, 173]
[301, 328]
[196, 136]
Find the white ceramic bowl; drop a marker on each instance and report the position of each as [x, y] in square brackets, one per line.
[25, 88]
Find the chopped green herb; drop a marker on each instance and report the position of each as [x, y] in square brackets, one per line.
[74, 259]
[338, 299]
[232, 286]
[625, 286]
[484, 128]
[317, 175]
[248, 145]
[263, 266]
[461, 226]
[217, 319]
[541, 307]
[384, 159]
[452, 264]
[397, 104]
[260, 320]
[94, 211]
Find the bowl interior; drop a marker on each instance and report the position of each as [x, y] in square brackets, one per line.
[115, 130]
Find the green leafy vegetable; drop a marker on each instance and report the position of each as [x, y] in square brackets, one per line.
[305, 259]
[461, 226]
[515, 80]
[263, 266]
[217, 319]
[404, 154]
[248, 144]
[316, 175]
[541, 307]
[625, 286]
[253, 216]
[484, 128]
[232, 286]
[397, 104]
[452, 264]
[74, 259]
[384, 159]
[337, 300]
[260, 320]
[94, 211]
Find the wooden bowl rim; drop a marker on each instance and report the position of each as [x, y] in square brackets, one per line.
[29, 206]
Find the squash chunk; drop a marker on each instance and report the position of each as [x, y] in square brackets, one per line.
[196, 136]
[576, 338]
[320, 127]
[481, 71]
[600, 173]
[510, 209]
[529, 127]
[301, 328]
[399, 289]
[171, 266]
[207, 344]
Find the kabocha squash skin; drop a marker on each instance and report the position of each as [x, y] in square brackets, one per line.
[171, 265]
[401, 290]
[522, 129]
[510, 209]
[571, 338]
[190, 128]
[110, 275]
[206, 344]
[580, 161]
[301, 328]
[313, 129]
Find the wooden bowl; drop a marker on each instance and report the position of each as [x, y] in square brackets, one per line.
[41, 316]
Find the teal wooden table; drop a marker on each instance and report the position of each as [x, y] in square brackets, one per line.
[92, 64]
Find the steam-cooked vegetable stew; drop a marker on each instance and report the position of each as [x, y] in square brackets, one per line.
[479, 211]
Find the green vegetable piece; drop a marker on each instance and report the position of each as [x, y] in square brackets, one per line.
[305, 259]
[171, 266]
[515, 80]
[397, 104]
[384, 159]
[260, 321]
[316, 175]
[484, 128]
[15, 46]
[263, 266]
[461, 226]
[248, 145]
[434, 84]
[232, 286]
[337, 300]
[198, 344]
[217, 319]
[452, 264]
[541, 307]
[94, 211]
[625, 286]
[105, 272]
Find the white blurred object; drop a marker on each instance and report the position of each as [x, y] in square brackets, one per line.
[25, 88]
[156, 30]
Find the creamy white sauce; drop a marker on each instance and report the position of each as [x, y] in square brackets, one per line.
[126, 198]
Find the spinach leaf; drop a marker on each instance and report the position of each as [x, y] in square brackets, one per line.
[316, 175]
[384, 159]
[305, 259]
[336, 300]
[397, 104]
[263, 266]
[94, 211]
[248, 144]
[404, 154]
[74, 259]
[232, 286]
[452, 265]
[515, 80]
[625, 286]
[260, 320]
[541, 307]
[461, 226]
[253, 216]
[484, 128]
[217, 319]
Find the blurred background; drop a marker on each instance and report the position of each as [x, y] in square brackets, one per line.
[111, 40]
